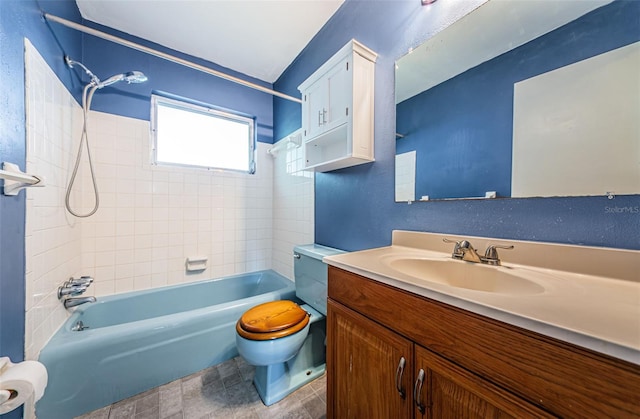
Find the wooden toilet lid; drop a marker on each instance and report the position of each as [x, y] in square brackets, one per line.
[272, 320]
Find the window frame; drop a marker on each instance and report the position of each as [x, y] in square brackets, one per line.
[204, 109]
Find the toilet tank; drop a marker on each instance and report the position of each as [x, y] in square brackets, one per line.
[311, 274]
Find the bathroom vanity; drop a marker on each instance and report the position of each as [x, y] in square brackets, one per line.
[401, 346]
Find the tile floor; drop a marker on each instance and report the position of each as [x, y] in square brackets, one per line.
[222, 391]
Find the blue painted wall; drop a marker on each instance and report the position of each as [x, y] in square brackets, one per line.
[19, 19]
[355, 207]
[105, 59]
[463, 142]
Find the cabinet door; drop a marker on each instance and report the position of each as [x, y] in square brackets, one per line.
[444, 390]
[362, 366]
[316, 112]
[340, 91]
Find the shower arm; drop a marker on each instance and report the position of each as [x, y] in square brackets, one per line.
[71, 63]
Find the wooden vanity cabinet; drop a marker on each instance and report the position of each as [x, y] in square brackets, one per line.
[369, 355]
[376, 373]
[449, 391]
[472, 366]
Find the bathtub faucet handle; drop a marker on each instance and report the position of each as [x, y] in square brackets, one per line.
[70, 290]
[82, 281]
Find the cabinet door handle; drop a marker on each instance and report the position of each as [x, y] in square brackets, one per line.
[399, 373]
[324, 116]
[417, 390]
[319, 118]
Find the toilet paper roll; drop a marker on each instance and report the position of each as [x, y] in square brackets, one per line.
[4, 396]
[20, 381]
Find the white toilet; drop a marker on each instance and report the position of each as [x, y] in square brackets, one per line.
[284, 340]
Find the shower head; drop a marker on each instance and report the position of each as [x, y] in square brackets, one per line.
[129, 77]
[135, 77]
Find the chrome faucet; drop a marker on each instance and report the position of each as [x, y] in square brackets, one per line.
[76, 301]
[469, 254]
[72, 288]
[82, 281]
[463, 250]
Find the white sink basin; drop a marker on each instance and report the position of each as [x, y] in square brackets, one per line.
[467, 275]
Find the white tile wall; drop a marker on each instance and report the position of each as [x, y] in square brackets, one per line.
[293, 206]
[151, 218]
[53, 238]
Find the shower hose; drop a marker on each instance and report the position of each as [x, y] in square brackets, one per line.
[87, 95]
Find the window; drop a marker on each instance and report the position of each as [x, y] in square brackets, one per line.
[186, 134]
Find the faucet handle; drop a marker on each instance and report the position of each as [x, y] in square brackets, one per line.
[457, 253]
[465, 244]
[491, 254]
[71, 290]
[83, 280]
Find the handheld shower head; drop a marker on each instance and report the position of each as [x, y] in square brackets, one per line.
[135, 77]
[129, 77]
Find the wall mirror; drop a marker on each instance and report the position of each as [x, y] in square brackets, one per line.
[522, 99]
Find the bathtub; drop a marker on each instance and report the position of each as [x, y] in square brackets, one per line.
[140, 340]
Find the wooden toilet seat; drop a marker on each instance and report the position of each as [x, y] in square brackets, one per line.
[272, 320]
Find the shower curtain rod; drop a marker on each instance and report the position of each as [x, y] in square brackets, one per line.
[165, 56]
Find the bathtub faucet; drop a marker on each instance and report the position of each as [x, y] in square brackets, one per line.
[76, 301]
[72, 288]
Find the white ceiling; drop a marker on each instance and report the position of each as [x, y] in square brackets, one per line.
[259, 38]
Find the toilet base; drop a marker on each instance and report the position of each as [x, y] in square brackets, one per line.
[275, 382]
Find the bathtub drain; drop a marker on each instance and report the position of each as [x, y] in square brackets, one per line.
[79, 327]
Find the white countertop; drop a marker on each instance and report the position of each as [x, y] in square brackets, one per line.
[595, 312]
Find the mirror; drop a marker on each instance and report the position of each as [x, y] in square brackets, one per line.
[521, 99]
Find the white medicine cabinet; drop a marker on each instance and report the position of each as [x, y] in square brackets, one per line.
[337, 110]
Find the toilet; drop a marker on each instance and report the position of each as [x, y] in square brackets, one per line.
[285, 340]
